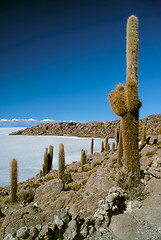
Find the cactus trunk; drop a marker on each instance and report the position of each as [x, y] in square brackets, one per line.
[92, 145]
[120, 150]
[130, 126]
[61, 161]
[13, 180]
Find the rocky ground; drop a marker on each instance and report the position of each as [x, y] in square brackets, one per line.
[90, 129]
[94, 202]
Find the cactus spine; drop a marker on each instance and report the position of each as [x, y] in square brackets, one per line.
[125, 102]
[83, 157]
[13, 180]
[92, 141]
[61, 161]
[106, 144]
[143, 140]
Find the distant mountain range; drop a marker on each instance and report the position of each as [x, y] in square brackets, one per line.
[23, 122]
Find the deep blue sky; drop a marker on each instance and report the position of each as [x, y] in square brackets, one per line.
[60, 59]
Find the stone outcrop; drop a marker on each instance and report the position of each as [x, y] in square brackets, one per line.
[89, 129]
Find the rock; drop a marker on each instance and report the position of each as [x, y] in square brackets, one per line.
[151, 206]
[65, 217]
[9, 237]
[23, 232]
[99, 181]
[125, 226]
[39, 227]
[103, 234]
[84, 231]
[154, 173]
[91, 229]
[71, 232]
[34, 232]
[58, 222]
[50, 190]
[46, 232]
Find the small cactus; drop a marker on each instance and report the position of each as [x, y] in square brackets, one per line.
[106, 144]
[40, 174]
[43, 169]
[50, 156]
[117, 136]
[83, 157]
[92, 141]
[102, 146]
[143, 140]
[113, 147]
[46, 161]
[13, 180]
[61, 161]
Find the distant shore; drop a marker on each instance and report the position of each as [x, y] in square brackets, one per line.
[90, 129]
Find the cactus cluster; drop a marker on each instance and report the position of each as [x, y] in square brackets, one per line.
[13, 180]
[125, 101]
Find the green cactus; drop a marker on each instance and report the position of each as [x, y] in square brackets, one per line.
[13, 180]
[61, 161]
[83, 157]
[143, 140]
[50, 156]
[113, 147]
[41, 173]
[120, 146]
[117, 136]
[46, 161]
[43, 169]
[106, 144]
[125, 102]
[102, 146]
[92, 142]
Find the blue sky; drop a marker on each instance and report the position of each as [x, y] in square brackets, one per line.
[60, 59]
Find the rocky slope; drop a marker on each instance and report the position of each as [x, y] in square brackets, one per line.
[90, 129]
[95, 202]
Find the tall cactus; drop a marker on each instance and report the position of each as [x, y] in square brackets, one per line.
[125, 102]
[13, 180]
[117, 132]
[61, 161]
[50, 156]
[46, 161]
[102, 146]
[106, 144]
[83, 157]
[92, 141]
